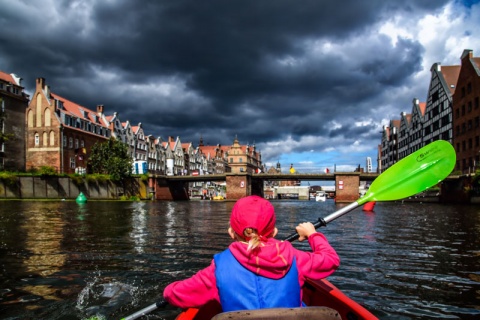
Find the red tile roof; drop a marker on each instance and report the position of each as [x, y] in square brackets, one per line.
[79, 111]
[450, 74]
[422, 106]
[6, 77]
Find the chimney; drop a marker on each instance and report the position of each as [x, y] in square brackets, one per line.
[40, 83]
[100, 109]
[171, 139]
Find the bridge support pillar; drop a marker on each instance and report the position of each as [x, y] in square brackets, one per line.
[456, 190]
[170, 190]
[238, 186]
[346, 186]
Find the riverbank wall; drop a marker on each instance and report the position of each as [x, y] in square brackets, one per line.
[53, 187]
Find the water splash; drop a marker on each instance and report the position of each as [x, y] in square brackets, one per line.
[100, 300]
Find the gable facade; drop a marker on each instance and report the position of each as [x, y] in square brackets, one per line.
[60, 133]
[466, 114]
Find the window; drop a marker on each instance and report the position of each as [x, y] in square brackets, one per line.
[76, 144]
[70, 142]
[48, 120]
[72, 162]
[64, 141]
[37, 139]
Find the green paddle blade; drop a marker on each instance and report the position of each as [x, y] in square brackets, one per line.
[413, 174]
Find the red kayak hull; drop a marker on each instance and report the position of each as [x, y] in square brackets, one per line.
[369, 206]
[315, 293]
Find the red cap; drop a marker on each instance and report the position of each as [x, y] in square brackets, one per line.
[253, 212]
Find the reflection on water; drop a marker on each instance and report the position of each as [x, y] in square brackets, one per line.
[62, 260]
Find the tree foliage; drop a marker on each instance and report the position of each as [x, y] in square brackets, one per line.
[111, 157]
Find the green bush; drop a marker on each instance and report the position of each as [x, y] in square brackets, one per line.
[8, 178]
[96, 177]
[131, 198]
[47, 171]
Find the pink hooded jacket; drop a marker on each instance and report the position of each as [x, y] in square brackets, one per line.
[272, 260]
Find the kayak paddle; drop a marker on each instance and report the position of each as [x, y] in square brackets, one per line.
[159, 304]
[413, 174]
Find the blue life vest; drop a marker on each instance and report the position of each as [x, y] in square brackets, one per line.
[241, 289]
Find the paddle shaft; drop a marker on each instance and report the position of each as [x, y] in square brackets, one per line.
[159, 304]
[322, 222]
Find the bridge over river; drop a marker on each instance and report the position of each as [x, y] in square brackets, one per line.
[239, 185]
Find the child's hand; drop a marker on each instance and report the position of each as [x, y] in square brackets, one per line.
[305, 230]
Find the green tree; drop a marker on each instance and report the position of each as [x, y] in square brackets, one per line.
[111, 157]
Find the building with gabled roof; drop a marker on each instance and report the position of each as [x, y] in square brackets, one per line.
[438, 116]
[415, 132]
[429, 121]
[403, 137]
[216, 156]
[175, 158]
[243, 158]
[13, 103]
[139, 143]
[390, 144]
[155, 155]
[61, 133]
[115, 125]
[466, 110]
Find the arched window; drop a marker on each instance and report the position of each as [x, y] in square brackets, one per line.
[48, 118]
[45, 139]
[37, 139]
[30, 119]
[38, 111]
[52, 138]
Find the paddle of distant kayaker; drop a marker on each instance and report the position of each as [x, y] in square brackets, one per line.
[256, 271]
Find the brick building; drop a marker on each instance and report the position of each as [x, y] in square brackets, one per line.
[13, 102]
[243, 158]
[466, 110]
[61, 133]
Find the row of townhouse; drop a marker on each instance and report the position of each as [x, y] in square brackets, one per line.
[451, 112]
[50, 130]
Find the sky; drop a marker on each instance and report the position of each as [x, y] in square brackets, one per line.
[309, 83]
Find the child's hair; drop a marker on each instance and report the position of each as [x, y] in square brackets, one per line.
[254, 238]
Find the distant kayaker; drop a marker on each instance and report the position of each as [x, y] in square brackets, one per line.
[256, 271]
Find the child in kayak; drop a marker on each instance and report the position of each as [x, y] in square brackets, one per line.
[256, 271]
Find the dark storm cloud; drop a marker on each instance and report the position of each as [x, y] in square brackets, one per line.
[261, 70]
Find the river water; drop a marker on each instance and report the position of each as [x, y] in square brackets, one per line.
[63, 260]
